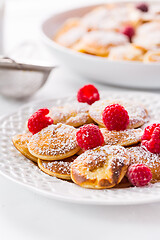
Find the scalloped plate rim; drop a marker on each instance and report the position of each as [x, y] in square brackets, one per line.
[82, 200]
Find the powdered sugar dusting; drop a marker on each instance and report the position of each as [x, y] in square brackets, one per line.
[123, 138]
[71, 36]
[61, 166]
[141, 155]
[75, 114]
[137, 113]
[106, 155]
[104, 38]
[54, 140]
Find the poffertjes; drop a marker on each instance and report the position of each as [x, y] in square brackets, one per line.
[59, 169]
[137, 113]
[75, 114]
[99, 168]
[55, 142]
[20, 142]
[140, 155]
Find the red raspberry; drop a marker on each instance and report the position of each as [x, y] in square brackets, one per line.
[139, 175]
[88, 94]
[128, 31]
[142, 7]
[89, 136]
[39, 120]
[115, 117]
[148, 131]
[153, 144]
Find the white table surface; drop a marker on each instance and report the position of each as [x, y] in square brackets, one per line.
[25, 215]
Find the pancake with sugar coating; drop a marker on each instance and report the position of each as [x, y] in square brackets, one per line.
[59, 169]
[137, 113]
[123, 138]
[70, 33]
[20, 142]
[99, 42]
[73, 114]
[140, 155]
[55, 142]
[152, 56]
[126, 53]
[148, 36]
[99, 168]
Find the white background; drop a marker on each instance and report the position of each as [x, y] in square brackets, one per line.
[25, 215]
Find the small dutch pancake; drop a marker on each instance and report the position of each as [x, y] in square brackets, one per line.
[20, 142]
[54, 142]
[140, 155]
[74, 114]
[152, 56]
[137, 113]
[99, 42]
[124, 138]
[126, 53]
[148, 36]
[59, 169]
[99, 168]
[70, 33]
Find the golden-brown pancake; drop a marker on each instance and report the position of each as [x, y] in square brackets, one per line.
[148, 36]
[152, 56]
[99, 42]
[140, 155]
[137, 113]
[70, 33]
[59, 169]
[127, 52]
[55, 142]
[74, 114]
[99, 168]
[124, 138]
[20, 142]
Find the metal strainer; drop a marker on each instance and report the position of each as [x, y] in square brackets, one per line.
[21, 80]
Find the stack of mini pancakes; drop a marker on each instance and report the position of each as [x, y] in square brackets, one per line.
[57, 153]
[100, 32]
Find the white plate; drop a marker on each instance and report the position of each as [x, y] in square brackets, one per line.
[122, 73]
[16, 167]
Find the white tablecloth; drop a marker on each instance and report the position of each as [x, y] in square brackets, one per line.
[25, 215]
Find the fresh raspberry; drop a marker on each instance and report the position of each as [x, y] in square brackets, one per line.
[153, 144]
[139, 175]
[128, 31]
[148, 131]
[89, 136]
[39, 120]
[142, 7]
[88, 94]
[115, 117]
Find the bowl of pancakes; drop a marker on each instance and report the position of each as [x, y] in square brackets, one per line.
[92, 41]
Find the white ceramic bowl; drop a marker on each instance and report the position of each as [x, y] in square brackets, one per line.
[121, 73]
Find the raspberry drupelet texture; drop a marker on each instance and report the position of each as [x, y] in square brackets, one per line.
[115, 117]
[151, 138]
[139, 175]
[89, 136]
[142, 7]
[148, 131]
[128, 31]
[39, 120]
[88, 94]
